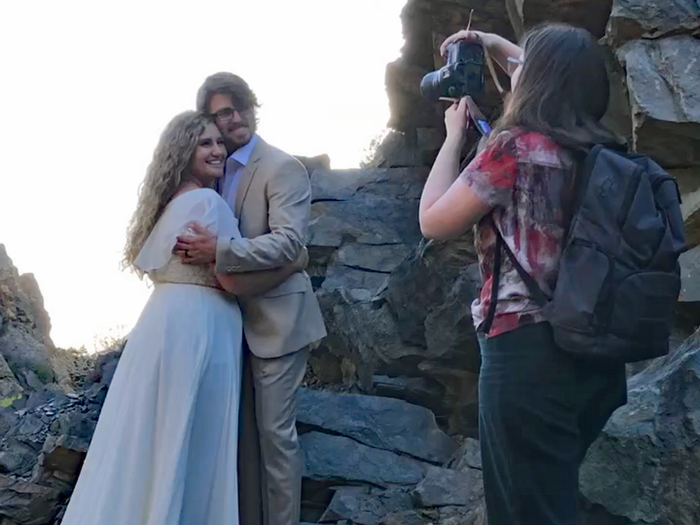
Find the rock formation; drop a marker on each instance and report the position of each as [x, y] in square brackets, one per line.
[28, 358]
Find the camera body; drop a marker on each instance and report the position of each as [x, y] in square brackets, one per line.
[462, 75]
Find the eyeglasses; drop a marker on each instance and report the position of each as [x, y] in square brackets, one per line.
[226, 114]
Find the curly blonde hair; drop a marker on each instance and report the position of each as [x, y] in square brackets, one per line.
[169, 168]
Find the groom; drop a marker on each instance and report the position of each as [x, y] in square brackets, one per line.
[270, 194]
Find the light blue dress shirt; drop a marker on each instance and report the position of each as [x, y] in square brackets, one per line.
[234, 169]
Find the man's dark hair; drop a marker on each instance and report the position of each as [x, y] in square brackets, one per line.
[226, 84]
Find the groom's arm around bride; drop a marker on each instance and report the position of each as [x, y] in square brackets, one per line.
[269, 192]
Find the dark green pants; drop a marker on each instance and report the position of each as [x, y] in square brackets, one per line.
[539, 411]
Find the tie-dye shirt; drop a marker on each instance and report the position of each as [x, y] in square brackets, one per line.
[526, 177]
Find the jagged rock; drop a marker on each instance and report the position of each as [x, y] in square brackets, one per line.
[468, 456]
[689, 185]
[28, 503]
[388, 312]
[407, 517]
[340, 459]
[635, 19]
[430, 294]
[23, 340]
[319, 162]
[663, 80]
[592, 16]
[690, 276]
[10, 389]
[363, 224]
[445, 487]
[365, 206]
[388, 424]
[43, 441]
[362, 341]
[365, 505]
[423, 391]
[644, 466]
[415, 147]
[426, 23]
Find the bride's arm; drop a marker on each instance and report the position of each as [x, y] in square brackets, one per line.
[259, 282]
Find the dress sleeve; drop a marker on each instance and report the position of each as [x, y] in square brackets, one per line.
[492, 173]
[201, 206]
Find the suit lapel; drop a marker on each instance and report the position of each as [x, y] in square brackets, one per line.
[247, 176]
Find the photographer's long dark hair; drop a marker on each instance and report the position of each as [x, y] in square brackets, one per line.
[563, 88]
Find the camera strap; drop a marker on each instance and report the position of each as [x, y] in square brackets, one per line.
[492, 70]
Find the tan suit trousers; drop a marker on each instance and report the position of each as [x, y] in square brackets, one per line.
[270, 461]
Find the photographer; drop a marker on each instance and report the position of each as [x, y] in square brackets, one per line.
[540, 407]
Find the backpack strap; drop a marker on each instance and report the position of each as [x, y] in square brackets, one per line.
[535, 291]
[495, 279]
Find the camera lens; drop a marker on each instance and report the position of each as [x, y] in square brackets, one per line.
[430, 86]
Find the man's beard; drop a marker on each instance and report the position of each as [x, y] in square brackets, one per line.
[231, 143]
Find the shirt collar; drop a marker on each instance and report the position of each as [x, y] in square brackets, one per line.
[242, 154]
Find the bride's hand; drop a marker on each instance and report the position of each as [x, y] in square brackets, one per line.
[302, 261]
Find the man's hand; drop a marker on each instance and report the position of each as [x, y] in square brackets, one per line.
[199, 247]
[302, 261]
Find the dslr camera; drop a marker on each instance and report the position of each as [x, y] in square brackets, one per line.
[462, 75]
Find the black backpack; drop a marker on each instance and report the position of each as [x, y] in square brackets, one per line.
[619, 277]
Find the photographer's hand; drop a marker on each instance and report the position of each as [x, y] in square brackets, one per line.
[457, 120]
[499, 47]
[464, 34]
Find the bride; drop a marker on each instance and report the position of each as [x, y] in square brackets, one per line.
[165, 448]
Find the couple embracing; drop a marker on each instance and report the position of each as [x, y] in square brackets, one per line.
[200, 415]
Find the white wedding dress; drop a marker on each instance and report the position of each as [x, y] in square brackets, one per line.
[165, 448]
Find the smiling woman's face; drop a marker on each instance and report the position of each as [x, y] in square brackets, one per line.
[210, 156]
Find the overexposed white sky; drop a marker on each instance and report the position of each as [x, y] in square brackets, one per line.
[87, 86]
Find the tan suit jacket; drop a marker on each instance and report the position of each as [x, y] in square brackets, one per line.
[273, 204]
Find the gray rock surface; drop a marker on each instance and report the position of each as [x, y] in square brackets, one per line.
[393, 304]
[644, 466]
[468, 456]
[365, 505]
[43, 441]
[25, 346]
[636, 19]
[663, 80]
[388, 424]
[591, 15]
[341, 459]
[443, 487]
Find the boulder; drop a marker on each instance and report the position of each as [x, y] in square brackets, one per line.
[643, 468]
[468, 456]
[388, 424]
[340, 460]
[365, 505]
[663, 81]
[592, 16]
[426, 23]
[689, 185]
[415, 147]
[394, 305]
[444, 487]
[24, 341]
[430, 295]
[635, 19]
